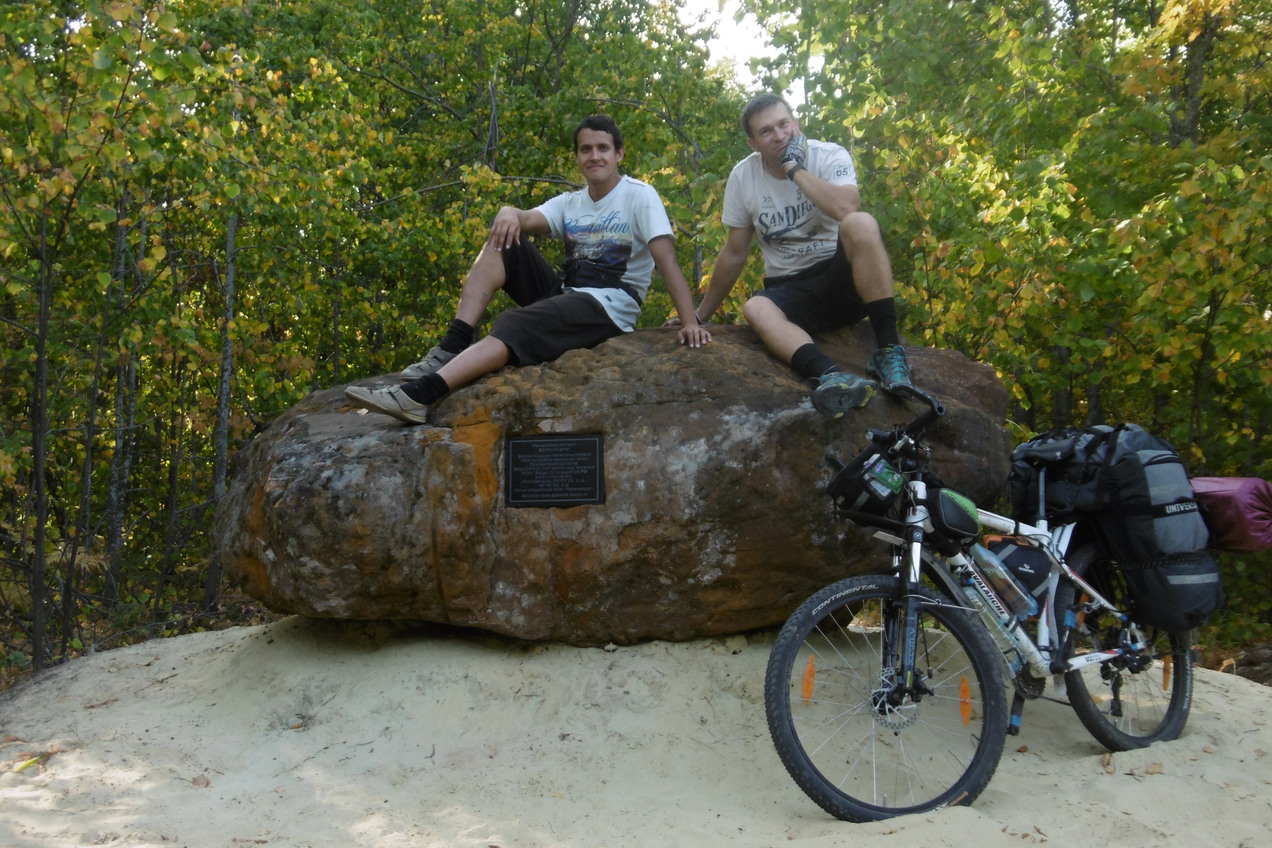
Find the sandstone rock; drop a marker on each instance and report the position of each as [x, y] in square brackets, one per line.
[713, 520]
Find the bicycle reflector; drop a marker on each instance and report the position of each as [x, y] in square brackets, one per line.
[867, 484]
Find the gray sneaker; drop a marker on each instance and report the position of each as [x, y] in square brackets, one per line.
[435, 359]
[839, 391]
[391, 401]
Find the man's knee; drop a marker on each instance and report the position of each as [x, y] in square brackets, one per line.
[759, 310]
[859, 228]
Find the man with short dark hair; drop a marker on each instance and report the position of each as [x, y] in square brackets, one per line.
[824, 259]
[616, 232]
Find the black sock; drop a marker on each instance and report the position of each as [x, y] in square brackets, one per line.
[810, 363]
[426, 389]
[883, 320]
[458, 337]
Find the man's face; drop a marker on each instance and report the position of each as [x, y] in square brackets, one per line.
[597, 157]
[771, 130]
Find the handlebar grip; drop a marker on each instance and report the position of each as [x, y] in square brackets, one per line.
[934, 411]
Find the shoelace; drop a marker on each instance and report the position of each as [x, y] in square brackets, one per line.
[892, 366]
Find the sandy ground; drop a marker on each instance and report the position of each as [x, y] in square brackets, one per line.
[302, 733]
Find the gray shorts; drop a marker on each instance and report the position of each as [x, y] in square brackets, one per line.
[548, 320]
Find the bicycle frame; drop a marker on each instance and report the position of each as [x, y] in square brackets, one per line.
[961, 577]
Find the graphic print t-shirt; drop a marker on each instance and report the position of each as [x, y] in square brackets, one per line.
[607, 243]
[793, 233]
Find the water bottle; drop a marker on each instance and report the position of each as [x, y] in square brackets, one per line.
[1005, 584]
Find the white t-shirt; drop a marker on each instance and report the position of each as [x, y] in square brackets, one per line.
[793, 233]
[607, 243]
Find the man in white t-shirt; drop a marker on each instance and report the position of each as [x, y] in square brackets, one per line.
[824, 260]
[616, 232]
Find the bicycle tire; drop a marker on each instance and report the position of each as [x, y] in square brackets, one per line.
[860, 760]
[1134, 700]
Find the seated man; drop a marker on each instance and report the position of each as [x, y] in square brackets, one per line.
[824, 259]
[616, 232]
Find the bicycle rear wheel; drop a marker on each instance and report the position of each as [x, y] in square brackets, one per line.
[1139, 698]
[850, 738]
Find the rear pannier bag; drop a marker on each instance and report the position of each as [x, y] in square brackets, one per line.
[1131, 487]
[1174, 593]
[1146, 507]
[1129, 483]
[1238, 511]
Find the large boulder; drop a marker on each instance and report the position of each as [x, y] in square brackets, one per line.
[712, 520]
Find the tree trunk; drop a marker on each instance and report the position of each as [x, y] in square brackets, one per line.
[125, 407]
[1185, 114]
[39, 456]
[212, 585]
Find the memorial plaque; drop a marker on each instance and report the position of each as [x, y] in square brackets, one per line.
[554, 470]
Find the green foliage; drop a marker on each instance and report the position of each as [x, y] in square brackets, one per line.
[1246, 618]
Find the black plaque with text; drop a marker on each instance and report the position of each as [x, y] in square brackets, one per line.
[554, 470]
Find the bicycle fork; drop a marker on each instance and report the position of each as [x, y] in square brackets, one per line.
[902, 641]
[910, 679]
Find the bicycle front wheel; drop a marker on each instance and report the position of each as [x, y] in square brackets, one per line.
[859, 743]
[1143, 695]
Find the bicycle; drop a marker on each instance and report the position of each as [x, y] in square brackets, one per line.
[886, 694]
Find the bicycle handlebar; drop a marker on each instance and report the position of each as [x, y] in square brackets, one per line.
[891, 440]
[925, 418]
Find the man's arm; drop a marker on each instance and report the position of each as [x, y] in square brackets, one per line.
[662, 249]
[835, 201]
[726, 270]
[511, 222]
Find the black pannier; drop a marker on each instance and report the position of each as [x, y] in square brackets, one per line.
[1132, 487]
[1177, 592]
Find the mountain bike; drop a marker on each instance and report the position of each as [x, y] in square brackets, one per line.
[887, 694]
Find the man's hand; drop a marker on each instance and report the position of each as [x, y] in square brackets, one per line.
[694, 336]
[505, 231]
[796, 155]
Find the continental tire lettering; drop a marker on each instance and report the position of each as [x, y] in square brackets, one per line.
[835, 598]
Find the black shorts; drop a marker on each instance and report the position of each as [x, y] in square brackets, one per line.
[549, 320]
[823, 297]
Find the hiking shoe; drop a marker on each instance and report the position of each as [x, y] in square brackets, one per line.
[890, 367]
[435, 359]
[391, 401]
[839, 391]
